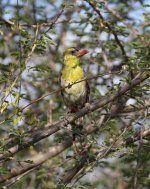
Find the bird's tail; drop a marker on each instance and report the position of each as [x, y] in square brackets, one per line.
[77, 135]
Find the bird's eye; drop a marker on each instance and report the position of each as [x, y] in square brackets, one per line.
[73, 51]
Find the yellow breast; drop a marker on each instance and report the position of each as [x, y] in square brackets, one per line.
[76, 95]
[71, 75]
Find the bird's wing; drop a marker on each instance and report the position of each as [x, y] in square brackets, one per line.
[88, 91]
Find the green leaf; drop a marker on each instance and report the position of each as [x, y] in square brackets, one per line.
[29, 161]
[3, 108]
[17, 119]
[3, 170]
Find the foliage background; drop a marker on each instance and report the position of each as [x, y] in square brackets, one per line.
[33, 36]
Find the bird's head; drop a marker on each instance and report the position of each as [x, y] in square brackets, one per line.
[72, 56]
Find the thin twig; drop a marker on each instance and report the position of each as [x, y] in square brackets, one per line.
[110, 28]
[40, 134]
[68, 86]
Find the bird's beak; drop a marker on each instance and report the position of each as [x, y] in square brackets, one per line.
[82, 52]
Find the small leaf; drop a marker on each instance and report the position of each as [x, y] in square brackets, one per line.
[29, 161]
[17, 97]
[4, 107]
[17, 119]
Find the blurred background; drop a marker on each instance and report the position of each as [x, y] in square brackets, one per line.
[33, 37]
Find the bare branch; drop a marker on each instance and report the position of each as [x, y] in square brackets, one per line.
[37, 160]
[103, 153]
[40, 134]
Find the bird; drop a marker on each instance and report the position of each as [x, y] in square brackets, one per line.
[76, 95]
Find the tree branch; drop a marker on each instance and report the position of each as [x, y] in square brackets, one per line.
[40, 134]
[55, 150]
[104, 152]
[37, 160]
[109, 27]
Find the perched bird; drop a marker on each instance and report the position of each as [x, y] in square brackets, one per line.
[75, 96]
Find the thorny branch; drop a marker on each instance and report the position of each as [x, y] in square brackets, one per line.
[103, 153]
[39, 134]
[59, 90]
[55, 150]
[109, 27]
[12, 147]
[37, 160]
